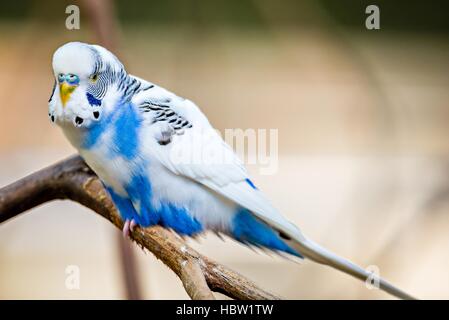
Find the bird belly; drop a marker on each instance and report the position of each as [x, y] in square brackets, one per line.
[113, 172]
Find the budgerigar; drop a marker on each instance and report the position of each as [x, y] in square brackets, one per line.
[143, 142]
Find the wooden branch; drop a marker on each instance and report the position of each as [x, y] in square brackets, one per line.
[194, 282]
[72, 179]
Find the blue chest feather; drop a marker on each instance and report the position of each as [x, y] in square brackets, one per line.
[166, 214]
[125, 124]
[93, 134]
[126, 127]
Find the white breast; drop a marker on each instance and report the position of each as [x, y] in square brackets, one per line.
[113, 170]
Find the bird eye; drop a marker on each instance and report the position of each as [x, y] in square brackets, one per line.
[60, 77]
[94, 77]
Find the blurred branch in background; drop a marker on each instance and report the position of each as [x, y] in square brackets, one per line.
[72, 179]
[102, 19]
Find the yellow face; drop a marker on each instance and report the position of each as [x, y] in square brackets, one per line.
[67, 84]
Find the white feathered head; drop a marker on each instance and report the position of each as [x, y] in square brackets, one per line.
[85, 77]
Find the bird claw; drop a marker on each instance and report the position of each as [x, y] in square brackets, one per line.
[126, 229]
[132, 225]
[128, 226]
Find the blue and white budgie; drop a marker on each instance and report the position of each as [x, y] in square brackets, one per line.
[143, 142]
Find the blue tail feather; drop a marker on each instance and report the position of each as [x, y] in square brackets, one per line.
[248, 229]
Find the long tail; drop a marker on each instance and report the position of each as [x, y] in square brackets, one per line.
[315, 252]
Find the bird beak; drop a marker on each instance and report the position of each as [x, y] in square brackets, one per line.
[65, 90]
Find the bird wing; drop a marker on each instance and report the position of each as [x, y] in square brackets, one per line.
[198, 152]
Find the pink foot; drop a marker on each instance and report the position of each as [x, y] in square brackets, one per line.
[126, 229]
[132, 225]
[128, 226]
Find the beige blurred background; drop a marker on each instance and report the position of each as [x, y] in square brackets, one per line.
[363, 139]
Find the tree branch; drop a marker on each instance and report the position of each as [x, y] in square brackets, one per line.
[72, 179]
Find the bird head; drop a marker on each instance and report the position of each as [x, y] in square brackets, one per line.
[86, 79]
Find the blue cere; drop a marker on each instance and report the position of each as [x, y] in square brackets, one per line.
[248, 181]
[72, 79]
[167, 214]
[92, 100]
[250, 230]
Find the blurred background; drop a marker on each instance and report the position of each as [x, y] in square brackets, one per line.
[363, 137]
